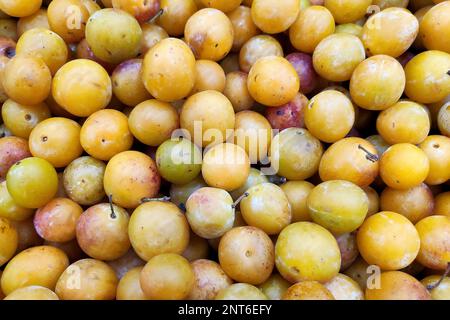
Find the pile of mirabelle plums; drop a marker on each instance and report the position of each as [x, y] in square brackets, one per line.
[225, 149]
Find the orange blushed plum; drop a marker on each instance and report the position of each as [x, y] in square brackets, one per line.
[102, 232]
[209, 33]
[397, 285]
[142, 10]
[209, 280]
[56, 221]
[56, 140]
[106, 133]
[129, 177]
[12, 149]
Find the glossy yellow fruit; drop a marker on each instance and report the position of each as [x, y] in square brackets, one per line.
[45, 44]
[336, 56]
[329, 116]
[442, 204]
[209, 75]
[113, 35]
[273, 81]
[397, 285]
[209, 33]
[167, 277]
[129, 177]
[87, 279]
[381, 34]
[275, 287]
[307, 251]
[32, 293]
[434, 22]
[82, 87]
[404, 122]
[312, 25]
[338, 205]
[209, 280]
[389, 240]
[348, 10]
[47, 139]
[343, 287]
[266, 207]
[9, 209]
[352, 159]
[9, 240]
[437, 149]
[21, 119]
[27, 79]
[210, 212]
[20, 8]
[175, 15]
[308, 290]
[297, 193]
[434, 233]
[129, 287]
[426, 68]
[226, 166]
[208, 117]
[377, 83]
[272, 16]
[295, 153]
[169, 70]
[41, 265]
[241, 291]
[31, 192]
[105, 133]
[403, 166]
[441, 292]
[158, 227]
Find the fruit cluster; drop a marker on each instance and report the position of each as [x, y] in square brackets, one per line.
[225, 149]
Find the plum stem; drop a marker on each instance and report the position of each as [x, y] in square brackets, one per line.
[113, 214]
[369, 155]
[147, 199]
[156, 16]
[435, 285]
[244, 195]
